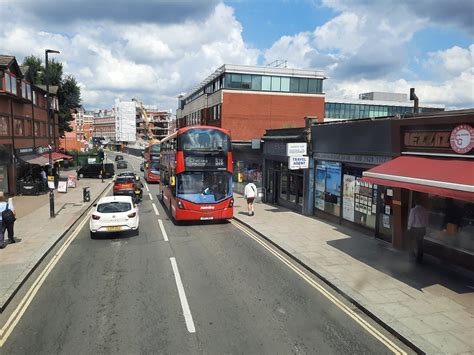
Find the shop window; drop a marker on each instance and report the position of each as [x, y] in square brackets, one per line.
[365, 208]
[1, 81]
[4, 126]
[328, 187]
[450, 222]
[19, 129]
[284, 185]
[8, 83]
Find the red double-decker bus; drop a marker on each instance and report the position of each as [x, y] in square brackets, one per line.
[196, 173]
[152, 163]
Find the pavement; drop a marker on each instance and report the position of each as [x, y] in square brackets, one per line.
[431, 305]
[38, 233]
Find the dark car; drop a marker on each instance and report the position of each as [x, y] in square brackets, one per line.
[94, 171]
[118, 157]
[122, 164]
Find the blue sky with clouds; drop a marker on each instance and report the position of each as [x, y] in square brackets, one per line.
[156, 49]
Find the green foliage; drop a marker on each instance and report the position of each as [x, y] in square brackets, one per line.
[69, 92]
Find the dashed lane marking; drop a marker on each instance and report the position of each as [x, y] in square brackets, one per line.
[163, 231]
[156, 209]
[151, 197]
[188, 318]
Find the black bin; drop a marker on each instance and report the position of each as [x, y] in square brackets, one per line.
[86, 194]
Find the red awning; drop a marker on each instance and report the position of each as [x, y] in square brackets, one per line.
[444, 177]
[57, 156]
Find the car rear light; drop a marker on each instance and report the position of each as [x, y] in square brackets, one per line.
[131, 215]
[231, 202]
[94, 216]
[180, 204]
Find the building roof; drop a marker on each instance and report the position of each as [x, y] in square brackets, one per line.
[379, 102]
[256, 70]
[53, 89]
[5, 60]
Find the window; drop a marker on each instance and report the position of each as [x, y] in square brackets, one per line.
[37, 129]
[246, 81]
[256, 82]
[28, 128]
[28, 92]
[266, 82]
[313, 86]
[19, 129]
[303, 86]
[294, 84]
[276, 83]
[14, 84]
[235, 80]
[23, 90]
[8, 83]
[4, 126]
[1, 80]
[285, 84]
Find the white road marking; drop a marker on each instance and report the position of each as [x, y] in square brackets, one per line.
[146, 186]
[16, 315]
[156, 209]
[182, 297]
[351, 313]
[151, 197]
[162, 227]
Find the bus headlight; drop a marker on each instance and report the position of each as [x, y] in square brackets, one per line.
[231, 202]
[180, 205]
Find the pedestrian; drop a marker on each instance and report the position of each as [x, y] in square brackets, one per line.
[250, 192]
[7, 220]
[44, 179]
[417, 222]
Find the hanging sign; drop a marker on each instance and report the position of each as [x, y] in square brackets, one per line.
[300, 162]
[51, 182]
[462, 139]
[296, 149]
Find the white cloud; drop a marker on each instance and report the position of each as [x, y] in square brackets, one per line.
[151, 61]
[451, 62]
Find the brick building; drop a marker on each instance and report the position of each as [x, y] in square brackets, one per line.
[23, 124]
[103, 125]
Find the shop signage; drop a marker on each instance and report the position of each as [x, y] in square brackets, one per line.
[296, 149]
[295, 163]
[424, 139]
[22, 151]
[349, 158]
[462, 139]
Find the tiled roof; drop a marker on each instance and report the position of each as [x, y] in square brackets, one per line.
[5, 60]
[53, 89]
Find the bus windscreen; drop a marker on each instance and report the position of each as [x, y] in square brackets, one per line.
[201, 187]
[204, 139]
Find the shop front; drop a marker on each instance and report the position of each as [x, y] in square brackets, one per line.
[436, 167]
[247, 161]
[285, 167]
[5, 168]
[342, 152]
[28, 171]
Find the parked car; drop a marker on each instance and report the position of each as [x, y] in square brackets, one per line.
[94, 171]
[122, 164]
[118, 157]
[128, 185]
[114, 214]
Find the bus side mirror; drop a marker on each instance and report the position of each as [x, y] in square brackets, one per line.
[172, 181]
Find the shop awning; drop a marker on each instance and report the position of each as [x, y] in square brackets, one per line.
[444, 177]
[57, 156]
[34, 159]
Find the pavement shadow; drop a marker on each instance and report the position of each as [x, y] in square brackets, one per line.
[118, 235]
[401, 265]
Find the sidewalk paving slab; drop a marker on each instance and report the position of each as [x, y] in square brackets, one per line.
[39, 233]
[431, 305]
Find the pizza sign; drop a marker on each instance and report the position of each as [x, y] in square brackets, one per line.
[462, 139]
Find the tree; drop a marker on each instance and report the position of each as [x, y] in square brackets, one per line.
[69, 93]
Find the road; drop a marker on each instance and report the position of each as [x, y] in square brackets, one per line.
[123, 295]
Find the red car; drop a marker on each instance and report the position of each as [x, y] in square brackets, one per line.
[127, 186]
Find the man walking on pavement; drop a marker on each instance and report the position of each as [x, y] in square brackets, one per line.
[250, 192]
[417, 222]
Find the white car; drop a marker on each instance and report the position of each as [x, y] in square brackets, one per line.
[114, 214]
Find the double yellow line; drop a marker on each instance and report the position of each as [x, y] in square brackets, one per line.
[16, 315]
[361, 321]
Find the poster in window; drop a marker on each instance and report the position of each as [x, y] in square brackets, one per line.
[320, 178]
[348, 197]
[386, 221]
[319, 200]
[333, 178]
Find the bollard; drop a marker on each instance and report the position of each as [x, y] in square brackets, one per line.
[86, 194]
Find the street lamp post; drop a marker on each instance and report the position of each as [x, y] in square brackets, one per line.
[51, 143]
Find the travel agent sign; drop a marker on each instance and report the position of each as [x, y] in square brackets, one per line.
[295, 163]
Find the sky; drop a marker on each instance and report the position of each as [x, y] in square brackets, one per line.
[153, 50]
